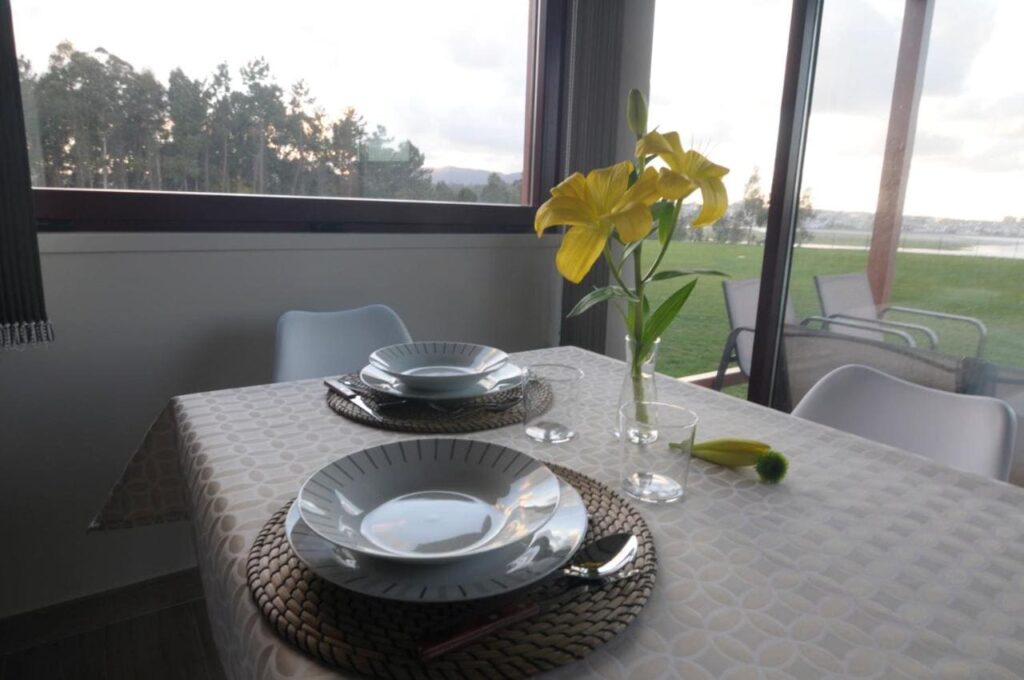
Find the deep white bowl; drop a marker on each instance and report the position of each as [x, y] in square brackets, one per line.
[438, 366]
[429, 500]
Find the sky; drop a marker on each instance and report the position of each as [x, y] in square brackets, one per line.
[455, 85]
[718, 79]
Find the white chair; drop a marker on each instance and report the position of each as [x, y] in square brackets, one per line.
[318, 344]
[970, 433]
[849, 297]
[741, 299]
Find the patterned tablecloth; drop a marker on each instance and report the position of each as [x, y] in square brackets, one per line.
[865, 562]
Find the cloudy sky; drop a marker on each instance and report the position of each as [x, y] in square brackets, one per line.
[723, 94]
[455, 86]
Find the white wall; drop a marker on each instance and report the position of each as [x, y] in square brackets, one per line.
[142, 317]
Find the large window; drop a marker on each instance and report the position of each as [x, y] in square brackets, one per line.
[390, 99]
[724, 102]
[914, 247]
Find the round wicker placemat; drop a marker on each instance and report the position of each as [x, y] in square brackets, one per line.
[380, 638]
[471, 415]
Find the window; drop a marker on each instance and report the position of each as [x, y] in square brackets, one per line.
[384, 100]
[917, 229]
[724, 102]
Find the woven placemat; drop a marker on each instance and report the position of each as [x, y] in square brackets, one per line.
[380, 638]
[470, 415]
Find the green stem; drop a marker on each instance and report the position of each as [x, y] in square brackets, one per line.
[664, 248]
[611, 266]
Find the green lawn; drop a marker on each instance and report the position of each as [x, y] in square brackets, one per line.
[987, 288]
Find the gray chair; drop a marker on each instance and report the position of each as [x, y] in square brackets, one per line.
[849, 297]
[970, 433]
[318, 344]
[741, 307]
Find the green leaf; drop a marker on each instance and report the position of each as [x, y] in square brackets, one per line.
[676, 273]
[664, 213]
[664, 314]
[599, 295]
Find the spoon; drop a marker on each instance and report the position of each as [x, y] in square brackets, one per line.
[605, 560]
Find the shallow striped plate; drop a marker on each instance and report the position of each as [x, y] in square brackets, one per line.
[495, 573]
[429, 500]
[438, 366]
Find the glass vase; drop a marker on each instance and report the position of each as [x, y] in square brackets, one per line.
[638, 384]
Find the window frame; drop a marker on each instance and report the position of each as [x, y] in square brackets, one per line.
[60, 210]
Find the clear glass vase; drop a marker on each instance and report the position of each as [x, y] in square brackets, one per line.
[638, 384]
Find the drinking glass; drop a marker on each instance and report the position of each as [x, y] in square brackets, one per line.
[657, 444]
[554, 424]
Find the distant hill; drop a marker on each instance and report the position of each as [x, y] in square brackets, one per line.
[469, 176]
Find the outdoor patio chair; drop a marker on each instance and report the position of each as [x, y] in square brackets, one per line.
[318, 344]
[849, 297]
[741, 307]
[970, 433]
[808, 354]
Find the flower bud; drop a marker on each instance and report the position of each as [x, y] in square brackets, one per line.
[636, 113]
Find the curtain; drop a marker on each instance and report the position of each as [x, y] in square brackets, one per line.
[595, 111]
[23, 318]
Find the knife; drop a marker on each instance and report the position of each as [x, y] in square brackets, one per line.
[349, 394]
[499, 620]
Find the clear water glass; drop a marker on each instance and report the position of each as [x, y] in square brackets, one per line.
[553, 423]
[656, 450]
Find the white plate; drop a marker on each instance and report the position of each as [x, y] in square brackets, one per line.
[438, 366]
[429, 500]
[506, 378]
[494, 573]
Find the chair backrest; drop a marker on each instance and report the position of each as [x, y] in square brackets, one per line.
[811, 354]
[741, 307]
[970, 433]
[318, 344]
[848, 294]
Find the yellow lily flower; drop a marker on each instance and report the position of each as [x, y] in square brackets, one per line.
[591, 207]
[687, 171]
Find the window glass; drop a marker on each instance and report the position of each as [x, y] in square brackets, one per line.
[390, 99]
[724, 102]
[954, 254]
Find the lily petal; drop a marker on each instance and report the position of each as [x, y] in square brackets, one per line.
[652, 144]
[606, 185]
[716, 202]
[581, 246]
[644, 190]
[633, 222]
[574, 186]
[673, 185]
[563, 210]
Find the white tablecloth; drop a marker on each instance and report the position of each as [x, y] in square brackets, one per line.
[865, 562]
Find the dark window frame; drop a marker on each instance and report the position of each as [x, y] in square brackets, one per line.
[98, 210]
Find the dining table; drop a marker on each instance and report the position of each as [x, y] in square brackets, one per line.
[866, 561]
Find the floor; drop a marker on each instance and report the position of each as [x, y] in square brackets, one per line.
[156, 630]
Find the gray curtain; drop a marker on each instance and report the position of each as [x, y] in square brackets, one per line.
[23, 318]
[595, 111]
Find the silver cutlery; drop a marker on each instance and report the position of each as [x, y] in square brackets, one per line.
[605, 560]
[352, 396]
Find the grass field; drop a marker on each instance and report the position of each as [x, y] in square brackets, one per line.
[987, 288]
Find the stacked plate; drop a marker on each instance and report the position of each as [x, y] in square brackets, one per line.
[435, 371]
[436, 520]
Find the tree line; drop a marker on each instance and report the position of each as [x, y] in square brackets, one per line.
[95, 121]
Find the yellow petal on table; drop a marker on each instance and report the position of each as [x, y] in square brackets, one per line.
[581, 246]
[633, 222]
[563, 210]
